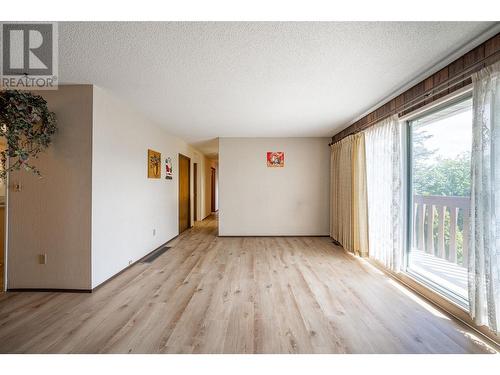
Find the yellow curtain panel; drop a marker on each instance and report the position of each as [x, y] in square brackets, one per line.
[349, 214]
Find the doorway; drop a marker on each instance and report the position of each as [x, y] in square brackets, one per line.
[212, 189]
[184, 196]
[195, 191]
[439, 179]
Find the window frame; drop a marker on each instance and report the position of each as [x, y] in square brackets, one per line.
[407, 150]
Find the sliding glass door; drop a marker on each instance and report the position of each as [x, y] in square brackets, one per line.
[439, 193]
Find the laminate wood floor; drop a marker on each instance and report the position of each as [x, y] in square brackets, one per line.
[236, 295]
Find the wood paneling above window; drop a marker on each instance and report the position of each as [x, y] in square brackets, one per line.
[447, 80]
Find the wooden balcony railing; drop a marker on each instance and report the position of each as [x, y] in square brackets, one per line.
[437, 220]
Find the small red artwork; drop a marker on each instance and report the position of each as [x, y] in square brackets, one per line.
[275, 159]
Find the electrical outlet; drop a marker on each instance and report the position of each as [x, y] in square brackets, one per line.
[42, 258]
[154, 232]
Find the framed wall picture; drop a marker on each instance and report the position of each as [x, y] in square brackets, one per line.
[168, 168]
[275, 159]
[154, 164]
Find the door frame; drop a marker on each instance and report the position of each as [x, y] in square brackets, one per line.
[213, 183]
[195, 192]
[449, 100]
[407, 151]
[189, 190]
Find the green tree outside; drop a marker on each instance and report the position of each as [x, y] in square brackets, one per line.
[441, 176]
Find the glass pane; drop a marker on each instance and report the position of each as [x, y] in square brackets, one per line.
[441, 180]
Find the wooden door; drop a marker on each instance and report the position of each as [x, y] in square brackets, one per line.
[212, 189]
[195, 191]
[184, 198]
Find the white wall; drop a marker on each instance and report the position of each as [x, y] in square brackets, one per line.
[94, 211]
[52, 215]
[126, 205]
[257, 200]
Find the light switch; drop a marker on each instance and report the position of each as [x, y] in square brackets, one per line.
[42, 258]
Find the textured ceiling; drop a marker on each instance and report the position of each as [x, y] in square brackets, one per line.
[206, 80]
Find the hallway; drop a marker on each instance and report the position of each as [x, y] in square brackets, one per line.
[211, 294]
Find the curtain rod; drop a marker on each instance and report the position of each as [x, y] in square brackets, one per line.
[443, 86]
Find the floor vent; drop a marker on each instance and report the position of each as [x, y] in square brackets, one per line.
[155, 254]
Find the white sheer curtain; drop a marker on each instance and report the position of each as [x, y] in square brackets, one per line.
[484, 255]
[383, 179]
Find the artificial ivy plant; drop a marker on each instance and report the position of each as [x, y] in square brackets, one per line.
[27, 126]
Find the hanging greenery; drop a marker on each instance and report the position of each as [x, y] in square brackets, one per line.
[27, 126]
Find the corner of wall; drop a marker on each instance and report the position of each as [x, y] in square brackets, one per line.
[131, 213]
[58, 203]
